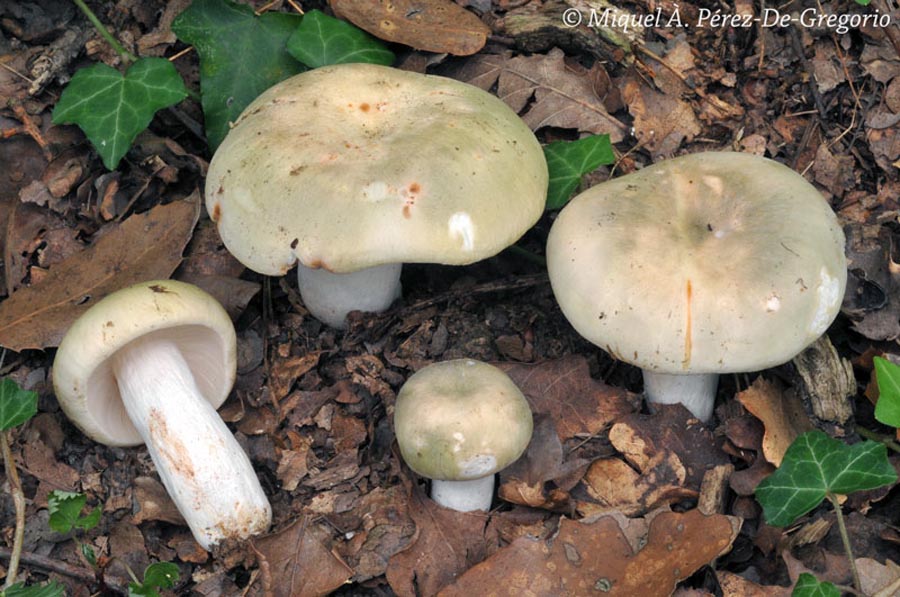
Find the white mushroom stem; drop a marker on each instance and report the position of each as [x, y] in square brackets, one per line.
[464, 496]
[696, 391]
[330, 297]
[206, 472]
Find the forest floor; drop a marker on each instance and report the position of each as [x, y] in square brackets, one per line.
[666, 500]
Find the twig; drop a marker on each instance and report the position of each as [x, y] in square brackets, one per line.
[887, 441]
[104, 32]
[30, 128]
[845, 538]
[15, 489]
[85, 575]
[813, 86]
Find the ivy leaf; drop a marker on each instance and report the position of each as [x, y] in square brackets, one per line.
[112, 108]
[887, 375]
[809, 586]
[321, 40]
[815, 466]
[160, 575]
[65, 512]
[16, 405]
[568, 161]
[241, 55]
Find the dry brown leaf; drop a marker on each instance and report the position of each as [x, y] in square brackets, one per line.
[878, 580]
[563, 97]
[152, 502]
[144, 247]
[447, 543]
[525, 481]
[381, 527]
[564, 389]
[432, 25]
[737, 586]
[661, 122]
[298, 564]
[781, 413]
[567, 565]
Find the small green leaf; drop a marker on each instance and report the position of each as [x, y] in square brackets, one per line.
[161, 574]
[112, 109]
[887, 375]
[809, 586]
[88, 552]
[16, 405]
[51, 589]
[65, 512]
[568, 161]
[321, 40]
[816, 465]
[241, 55]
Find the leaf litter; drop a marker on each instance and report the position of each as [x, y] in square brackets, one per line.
[313, 407]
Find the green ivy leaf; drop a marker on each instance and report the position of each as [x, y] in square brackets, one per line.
[51, 589]
[568, 161]
[65, 512]
[112, 109]
[887, 376]
[809, 586]
[241, 55]
[816, 465]
[321, 40]
[16, 405]
[160, 575]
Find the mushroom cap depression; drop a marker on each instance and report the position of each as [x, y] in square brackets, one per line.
[82, 372]
[707, 263]
[460, 420]
[356, 165]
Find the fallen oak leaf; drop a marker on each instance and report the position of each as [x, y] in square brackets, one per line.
[566, 564]
[781, 413]
[298, 564]
[562, 97]
[564, 389]
[439, 26]
[447, 543]
[144, 247]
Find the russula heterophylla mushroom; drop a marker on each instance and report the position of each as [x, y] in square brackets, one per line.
[699, 265]
[150, 364]
[458, 423]
[353, 169]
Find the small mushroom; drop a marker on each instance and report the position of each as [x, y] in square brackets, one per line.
[458, 423]
[353, 169]
[150, 364]
[699, 265]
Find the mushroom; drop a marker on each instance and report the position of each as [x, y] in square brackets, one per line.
[351, 170]
[457, 423]
[699, 265]
[150, 364]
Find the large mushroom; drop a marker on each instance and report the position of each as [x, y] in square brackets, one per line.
[458, 423]
[352, 170]
[699, 265]
[150, 364]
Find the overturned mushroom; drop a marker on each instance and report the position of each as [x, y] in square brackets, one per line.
[150, 364]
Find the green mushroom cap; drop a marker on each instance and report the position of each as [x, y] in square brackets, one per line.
[461, 420]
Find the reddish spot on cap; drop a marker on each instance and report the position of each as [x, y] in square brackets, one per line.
[216, 212]
[414, 188]
[364, 107]
[407, 212]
